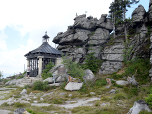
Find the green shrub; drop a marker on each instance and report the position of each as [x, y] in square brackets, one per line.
[119, 96]
[46, 73]
[27, 86]
[18, 104]
[101, 82]
[39, 85]
[145, 112]
[116, 76]
[92, 63]
[149, 100]
[74, 69]
[131, 91]
[141, 67]
[32, 112]
[57, 101]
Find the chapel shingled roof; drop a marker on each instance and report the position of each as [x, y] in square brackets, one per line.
[46, 49]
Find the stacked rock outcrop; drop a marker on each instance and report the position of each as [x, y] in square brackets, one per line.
[84, 32]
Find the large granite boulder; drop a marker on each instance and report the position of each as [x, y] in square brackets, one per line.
[138, 14]
[14, 82]
[61, 35]
[113, 52]
[139, 105]
[109, 67]
[99, 37]
[122, 82]
[89, 76]
[73, 86]
[105, 22]
[84, 23]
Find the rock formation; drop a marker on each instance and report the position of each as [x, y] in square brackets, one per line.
[85, 32]
[89, 34]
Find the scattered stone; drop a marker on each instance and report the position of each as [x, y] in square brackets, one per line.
[62, 93]
[34, 97]
[55, 84]
[108, 86]
[92, 93]
[73, 86]
[35, 101]
[5, 111]
[70, 95]
[19, 111]
[31, 94]
[105, 104]
[24, 91]
[139, 106]
[51, 93]
[49, 80]
[23, 101]
[132, 80]
[41, 99]
[28, 99]
[122, 82]
[40, 104]
[113, 91]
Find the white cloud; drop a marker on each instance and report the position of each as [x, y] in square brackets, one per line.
[34, 17]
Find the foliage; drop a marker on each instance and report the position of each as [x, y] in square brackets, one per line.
[101, 82]
[27, 86]
[74, 69]
[18, 104]
[91, 34]
[145, 112]
[92, 63]
[116, 76]
[30, 111]
[119, 96]
[141, 67]
[22, 75]
[39, 85]
[149, 100]
[58, 101]
[131, 91]
[46, 73]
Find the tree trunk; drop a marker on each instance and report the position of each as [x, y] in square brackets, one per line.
[125, 31]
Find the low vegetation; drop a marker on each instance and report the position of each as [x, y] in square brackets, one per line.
[46, 72]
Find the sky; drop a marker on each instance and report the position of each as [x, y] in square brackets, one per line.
[24, 22]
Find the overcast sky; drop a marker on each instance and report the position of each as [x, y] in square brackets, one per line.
[24, 22]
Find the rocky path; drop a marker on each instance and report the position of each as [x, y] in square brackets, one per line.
[70, 104]
[3, 92]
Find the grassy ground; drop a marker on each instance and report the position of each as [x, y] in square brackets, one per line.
[118, 103]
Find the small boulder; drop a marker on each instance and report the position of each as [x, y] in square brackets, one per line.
[89, 76]
[73, 86]
[132, 80]
[19, 111]
[24, 91]
[113, 91]
[92, 93]
[50, 80]
[139, 106]
[122, 82]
